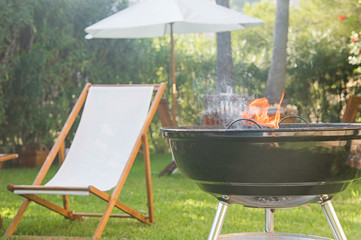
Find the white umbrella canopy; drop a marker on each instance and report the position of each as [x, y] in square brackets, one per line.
[155, 18]
[151, 18]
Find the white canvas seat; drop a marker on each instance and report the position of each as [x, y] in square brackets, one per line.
[112, 127]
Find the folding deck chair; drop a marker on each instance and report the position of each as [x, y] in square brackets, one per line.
[112, 128]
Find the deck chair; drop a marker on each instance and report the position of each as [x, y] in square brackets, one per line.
[7, 156]
[352, 108]
[113, 126]
[166, 121]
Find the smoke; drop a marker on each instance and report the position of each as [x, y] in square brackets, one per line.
[222, 108]
[225, 107]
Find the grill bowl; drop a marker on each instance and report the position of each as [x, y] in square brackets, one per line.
[269, 168]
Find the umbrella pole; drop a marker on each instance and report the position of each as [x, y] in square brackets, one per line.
[174, 92]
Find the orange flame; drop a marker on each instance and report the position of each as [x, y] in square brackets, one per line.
[258, 111]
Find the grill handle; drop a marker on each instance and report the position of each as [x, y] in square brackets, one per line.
[293, 116]
[243, 119]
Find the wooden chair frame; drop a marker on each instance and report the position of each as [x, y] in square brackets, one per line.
[111, 200]
[352, 108]
[166, 121]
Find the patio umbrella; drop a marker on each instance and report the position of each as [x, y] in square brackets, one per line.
[154, 18]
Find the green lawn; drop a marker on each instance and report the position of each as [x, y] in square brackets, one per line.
[182, 211]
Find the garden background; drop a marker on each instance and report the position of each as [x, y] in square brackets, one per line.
[45, 61]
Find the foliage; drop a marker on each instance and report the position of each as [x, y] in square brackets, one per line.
[196, 75]
[318, 60]
[322, 73]
[318, 71]
[182, 210]
[253, 50]
[355, 50]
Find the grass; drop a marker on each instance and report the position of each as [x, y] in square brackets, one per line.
[182, 211]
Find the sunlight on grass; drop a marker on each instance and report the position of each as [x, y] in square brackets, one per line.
[191, 203]
[182, 210]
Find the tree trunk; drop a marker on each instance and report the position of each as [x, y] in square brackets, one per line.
[225, 79]
[277, 72]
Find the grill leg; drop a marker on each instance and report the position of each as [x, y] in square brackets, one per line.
[269, 220]
[218, 220]
[333, 221]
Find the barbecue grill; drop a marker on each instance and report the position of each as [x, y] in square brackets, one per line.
[269, 168]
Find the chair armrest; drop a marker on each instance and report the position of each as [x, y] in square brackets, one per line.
[5, 157]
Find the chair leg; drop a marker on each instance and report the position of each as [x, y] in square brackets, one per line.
[103, 221]
[269, 220]
[14, 224]
[218, 220]
[148, 178]
[333, 221]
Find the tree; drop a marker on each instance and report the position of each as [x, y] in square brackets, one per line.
[277, 73]
[225, 79]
